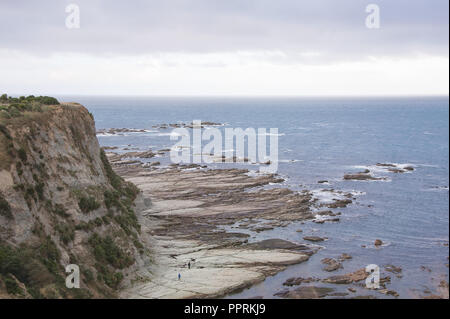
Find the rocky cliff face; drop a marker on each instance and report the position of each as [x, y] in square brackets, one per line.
[60, 204]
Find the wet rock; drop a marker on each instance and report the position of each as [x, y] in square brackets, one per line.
[341, 203]
[262, 228]
[278, 244]
[325, 213]
[345, 256]
[151, 164]
[309, 292]
[385, 165]
[331, 264]
[106, 148]
[378, 242]
[297, 281]
[393, 269]
[338, 294]
[389, 292]
[347, 278]
[424, 268]
[396, 170]
[360, 177]
[313, 238]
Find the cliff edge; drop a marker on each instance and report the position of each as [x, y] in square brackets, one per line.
[61, 203]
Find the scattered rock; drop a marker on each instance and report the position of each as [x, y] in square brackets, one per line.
[313, 238]
[396, 170]
[378, 242]
[340, 203]
[389, 292]
[385, 165]
[360, 177]
[297, 281]
[332, 264]
[120, 131]
[109, 148]
[309, 292]
[345, 256]
[278, 244]
[322, 182]
[347, 278]
[365, 297]
[393, 269]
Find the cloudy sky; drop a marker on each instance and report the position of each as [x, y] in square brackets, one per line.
[224, 47]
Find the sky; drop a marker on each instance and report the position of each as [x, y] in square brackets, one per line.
[224, 47]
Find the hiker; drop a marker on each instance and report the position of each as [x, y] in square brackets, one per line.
[189, 265]
[179, 276]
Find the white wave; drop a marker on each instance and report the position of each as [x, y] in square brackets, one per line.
[290, 161]
[271, 134]
[174, 134]
[437, 189]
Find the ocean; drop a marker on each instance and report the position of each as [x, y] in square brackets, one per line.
[323, 139]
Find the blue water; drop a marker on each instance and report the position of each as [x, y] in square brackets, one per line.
[328, 138]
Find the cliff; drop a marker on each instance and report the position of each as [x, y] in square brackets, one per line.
[60, 204]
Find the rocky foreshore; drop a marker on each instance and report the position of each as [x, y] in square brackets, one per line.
[193, 219]
[183, 221]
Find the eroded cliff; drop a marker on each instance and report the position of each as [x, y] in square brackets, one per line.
[60, 204]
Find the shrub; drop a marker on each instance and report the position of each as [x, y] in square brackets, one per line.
[105, 250]
[60, 211]
[5, 208]
[66, 233]
[22, 154]
[39, 188]
[5, 131]
[114, 179]
[11, 286]
[46, 100]
[88, 204]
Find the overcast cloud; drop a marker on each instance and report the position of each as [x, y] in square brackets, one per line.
[202, 34]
